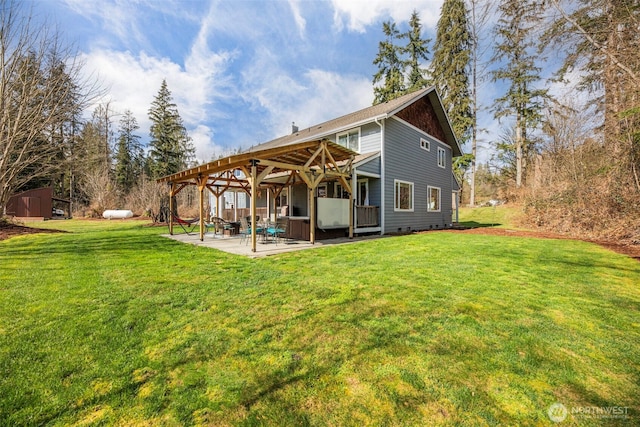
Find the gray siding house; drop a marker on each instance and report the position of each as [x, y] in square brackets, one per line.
[401, 171]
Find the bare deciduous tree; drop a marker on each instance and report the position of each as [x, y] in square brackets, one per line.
[38, 76]
[99, 187]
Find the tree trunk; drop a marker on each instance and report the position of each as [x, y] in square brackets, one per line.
[163, 212]
[519, 157]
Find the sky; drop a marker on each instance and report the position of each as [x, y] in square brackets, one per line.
[240, 71]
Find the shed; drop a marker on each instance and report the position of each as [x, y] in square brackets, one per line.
[37, 203]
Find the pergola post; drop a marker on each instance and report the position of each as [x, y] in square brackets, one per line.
[202, 184]
[353, 188]
[172, 189]
[254, 201]
[235, 206]
[218, 201]
[312, 215]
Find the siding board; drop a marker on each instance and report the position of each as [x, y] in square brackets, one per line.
[369, 138]
[372, 166]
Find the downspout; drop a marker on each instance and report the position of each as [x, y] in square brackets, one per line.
[382, 176]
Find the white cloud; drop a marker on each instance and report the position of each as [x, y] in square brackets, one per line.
[203, 137]
[359, 14]
[118, 18]
[328, 95]
[310, 98]
[134, 80]
[301, 23]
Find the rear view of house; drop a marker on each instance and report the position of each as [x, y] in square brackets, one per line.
[382, 169]
[401, 175]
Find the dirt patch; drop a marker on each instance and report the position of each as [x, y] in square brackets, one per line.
[630, 250]
[8, 230]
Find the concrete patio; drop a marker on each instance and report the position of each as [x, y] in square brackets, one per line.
[233, 245]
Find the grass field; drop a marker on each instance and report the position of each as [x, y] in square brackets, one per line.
[111, 324]
[503, 216]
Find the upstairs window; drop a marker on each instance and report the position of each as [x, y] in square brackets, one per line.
[425, 144]
[350, 140]
[442, 157]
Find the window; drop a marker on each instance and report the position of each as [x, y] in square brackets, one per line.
[403, 196]
[433, 199]
[339, 192]
[322, 190]
[284, 197]
[442, 157]
[350, 139]
[425, 144]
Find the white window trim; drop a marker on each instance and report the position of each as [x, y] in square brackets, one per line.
[425, 144]
[395, 195]
[444, 157]
[347, 133]
[429, 187]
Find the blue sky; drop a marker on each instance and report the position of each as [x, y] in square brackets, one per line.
[239, 71]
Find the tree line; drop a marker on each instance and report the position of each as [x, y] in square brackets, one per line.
[574, 166]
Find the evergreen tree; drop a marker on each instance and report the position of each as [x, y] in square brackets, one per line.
[450, 68]
[129, 154]
[514, 53]
[93, 149]
[417, 49]
[390, 66]
[171, 149]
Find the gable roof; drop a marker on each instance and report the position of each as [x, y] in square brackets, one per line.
[367, 115]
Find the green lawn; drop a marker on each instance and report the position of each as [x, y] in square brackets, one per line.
[112, 324]
[503, 216]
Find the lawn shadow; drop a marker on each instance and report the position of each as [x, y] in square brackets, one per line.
[70, 244]
[475, 224]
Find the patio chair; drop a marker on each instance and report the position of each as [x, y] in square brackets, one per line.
[277, 230]
[218, 225]
[245, 230]
[188, 225]
[281, 229]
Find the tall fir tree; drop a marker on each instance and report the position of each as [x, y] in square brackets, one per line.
[390, 76]
[171, 148]
[129, 154]
[450, 72]
[515, 57]
[417, 50]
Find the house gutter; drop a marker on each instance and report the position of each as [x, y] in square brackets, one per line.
[382, 172]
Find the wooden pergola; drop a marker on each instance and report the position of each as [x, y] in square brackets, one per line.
[312, 161]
